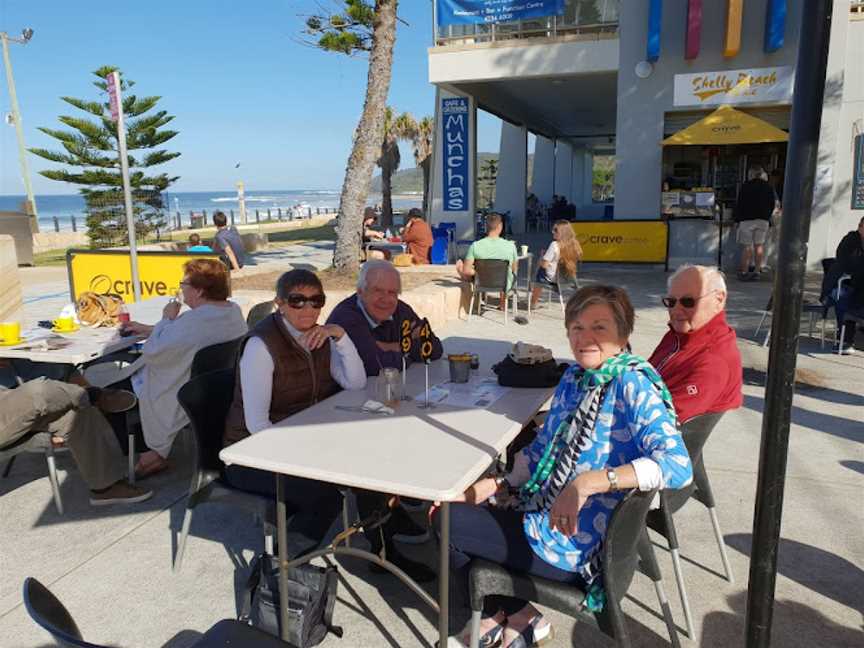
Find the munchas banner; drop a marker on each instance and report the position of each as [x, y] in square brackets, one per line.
[454, 113]
[473, 12]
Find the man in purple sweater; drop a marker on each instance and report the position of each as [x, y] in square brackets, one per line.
[373, 319]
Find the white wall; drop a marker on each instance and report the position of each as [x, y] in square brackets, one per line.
[543, 173]
[511, 181]
[464, 219]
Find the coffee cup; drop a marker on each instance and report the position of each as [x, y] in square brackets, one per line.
[64, 324]
[10, 332]
[460, 367]
[524, 250]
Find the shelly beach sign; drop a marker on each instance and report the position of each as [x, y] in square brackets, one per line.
[730, 87]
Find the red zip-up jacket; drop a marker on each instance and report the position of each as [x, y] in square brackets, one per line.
[702, 369]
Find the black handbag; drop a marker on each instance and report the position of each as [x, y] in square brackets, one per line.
[541, 374]
[311, 598]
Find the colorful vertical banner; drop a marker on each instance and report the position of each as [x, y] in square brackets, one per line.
[775, 25]
[655, 24]
[454, 114]
[732, 40]
[693, 37]
[473, 12]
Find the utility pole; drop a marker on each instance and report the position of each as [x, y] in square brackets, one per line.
[788, 291]
[26, 35]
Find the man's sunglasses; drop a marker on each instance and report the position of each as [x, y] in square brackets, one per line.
[686, 302]
[298, 301]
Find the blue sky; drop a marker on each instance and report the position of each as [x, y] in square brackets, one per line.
[239, 85]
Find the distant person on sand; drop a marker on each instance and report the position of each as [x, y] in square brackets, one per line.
[227, 242]
[417, 235]
[195, 244]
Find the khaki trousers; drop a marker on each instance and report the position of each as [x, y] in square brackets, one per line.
[64, 410]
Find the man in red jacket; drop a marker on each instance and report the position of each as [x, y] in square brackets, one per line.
[698, 358]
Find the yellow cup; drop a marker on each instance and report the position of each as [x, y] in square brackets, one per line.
[64, 324]
[10, 332]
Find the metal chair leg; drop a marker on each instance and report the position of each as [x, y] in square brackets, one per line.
[471, 304]
[345, 522]
[761, 322]
[181, 542]
[682, 592]
[475, 628]
[130, 458]
[667, 613]
[721, 545]
[52, 476]
[842, 337]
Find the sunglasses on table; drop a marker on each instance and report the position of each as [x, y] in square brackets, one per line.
[298, 301]
[686, 302]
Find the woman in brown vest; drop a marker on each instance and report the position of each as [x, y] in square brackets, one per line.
[287, 363]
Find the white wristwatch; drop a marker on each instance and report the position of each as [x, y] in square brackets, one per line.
[612, 476]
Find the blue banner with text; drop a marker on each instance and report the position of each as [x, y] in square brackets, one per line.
[454, 113]
[473, 12]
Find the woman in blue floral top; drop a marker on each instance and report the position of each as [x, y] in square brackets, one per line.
[611, 428]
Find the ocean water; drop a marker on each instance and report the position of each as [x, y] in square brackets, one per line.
[63, 207]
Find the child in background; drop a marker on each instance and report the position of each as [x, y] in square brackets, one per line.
[562, 256]
[196, 246]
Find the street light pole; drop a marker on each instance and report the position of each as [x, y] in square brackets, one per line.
[16, 117]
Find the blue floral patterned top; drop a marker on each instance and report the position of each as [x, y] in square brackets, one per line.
[632, 422]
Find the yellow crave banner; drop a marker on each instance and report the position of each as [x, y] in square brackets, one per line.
[623, 241]
[109, 271]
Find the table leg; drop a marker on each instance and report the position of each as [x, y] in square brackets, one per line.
[444, 576]
[282, 535]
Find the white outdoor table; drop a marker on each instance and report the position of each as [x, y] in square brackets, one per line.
[529, 277]
[433, 454]
[384, 244]
[88, 344]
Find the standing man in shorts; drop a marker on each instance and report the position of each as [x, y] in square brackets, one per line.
[753, 210]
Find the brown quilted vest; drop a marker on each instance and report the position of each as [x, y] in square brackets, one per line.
[300, 378]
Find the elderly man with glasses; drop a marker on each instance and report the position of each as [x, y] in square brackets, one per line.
[698, 358]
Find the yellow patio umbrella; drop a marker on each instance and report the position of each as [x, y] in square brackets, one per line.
[727, 126]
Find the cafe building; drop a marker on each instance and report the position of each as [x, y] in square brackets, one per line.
[684, 95]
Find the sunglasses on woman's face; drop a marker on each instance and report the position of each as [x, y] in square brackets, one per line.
[686, 302]
[298, 301]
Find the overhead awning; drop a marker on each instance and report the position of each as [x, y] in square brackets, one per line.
[727, 126]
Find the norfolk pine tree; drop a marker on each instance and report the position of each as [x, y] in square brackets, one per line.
[361, 28]
[92, 148]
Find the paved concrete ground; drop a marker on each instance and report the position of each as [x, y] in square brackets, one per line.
[111, 566]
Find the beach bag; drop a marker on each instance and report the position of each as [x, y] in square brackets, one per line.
[311, 598]
[540, 374]
[99, 310]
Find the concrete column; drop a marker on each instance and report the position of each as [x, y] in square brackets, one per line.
[464, 219]
[563, 169]
[543, 174]
[581, 162]
[510, 185]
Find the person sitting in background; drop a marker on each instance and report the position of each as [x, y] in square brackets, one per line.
[228, 243]
[560, 259]
[492, 246]
[848, 260]
[612, 428]
[698, 358]
[71, 414]
[418, 236]
[369, 233]
[287, 363]
[753, 210]
[166, 358]
[195, 244]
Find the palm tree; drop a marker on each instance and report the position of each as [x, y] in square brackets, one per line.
[390, 158]
[421, 141]
[361, 28]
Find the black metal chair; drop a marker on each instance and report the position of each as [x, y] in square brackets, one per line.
[490, 275]
[695, 433]
[36, 442]
[215, 357]
[50, 614]
[562, 283]
[258, 312]
[626, 546]
[206, 400]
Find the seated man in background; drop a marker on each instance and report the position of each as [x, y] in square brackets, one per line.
[195, 244]
[492, 246]
[849, 260]
[698, 358]
[227, 242]
[373, 319]
[418, 236]
[70, 414]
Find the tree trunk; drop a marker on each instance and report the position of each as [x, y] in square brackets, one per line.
[387, 195]
[424, 167]
[367, 140]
